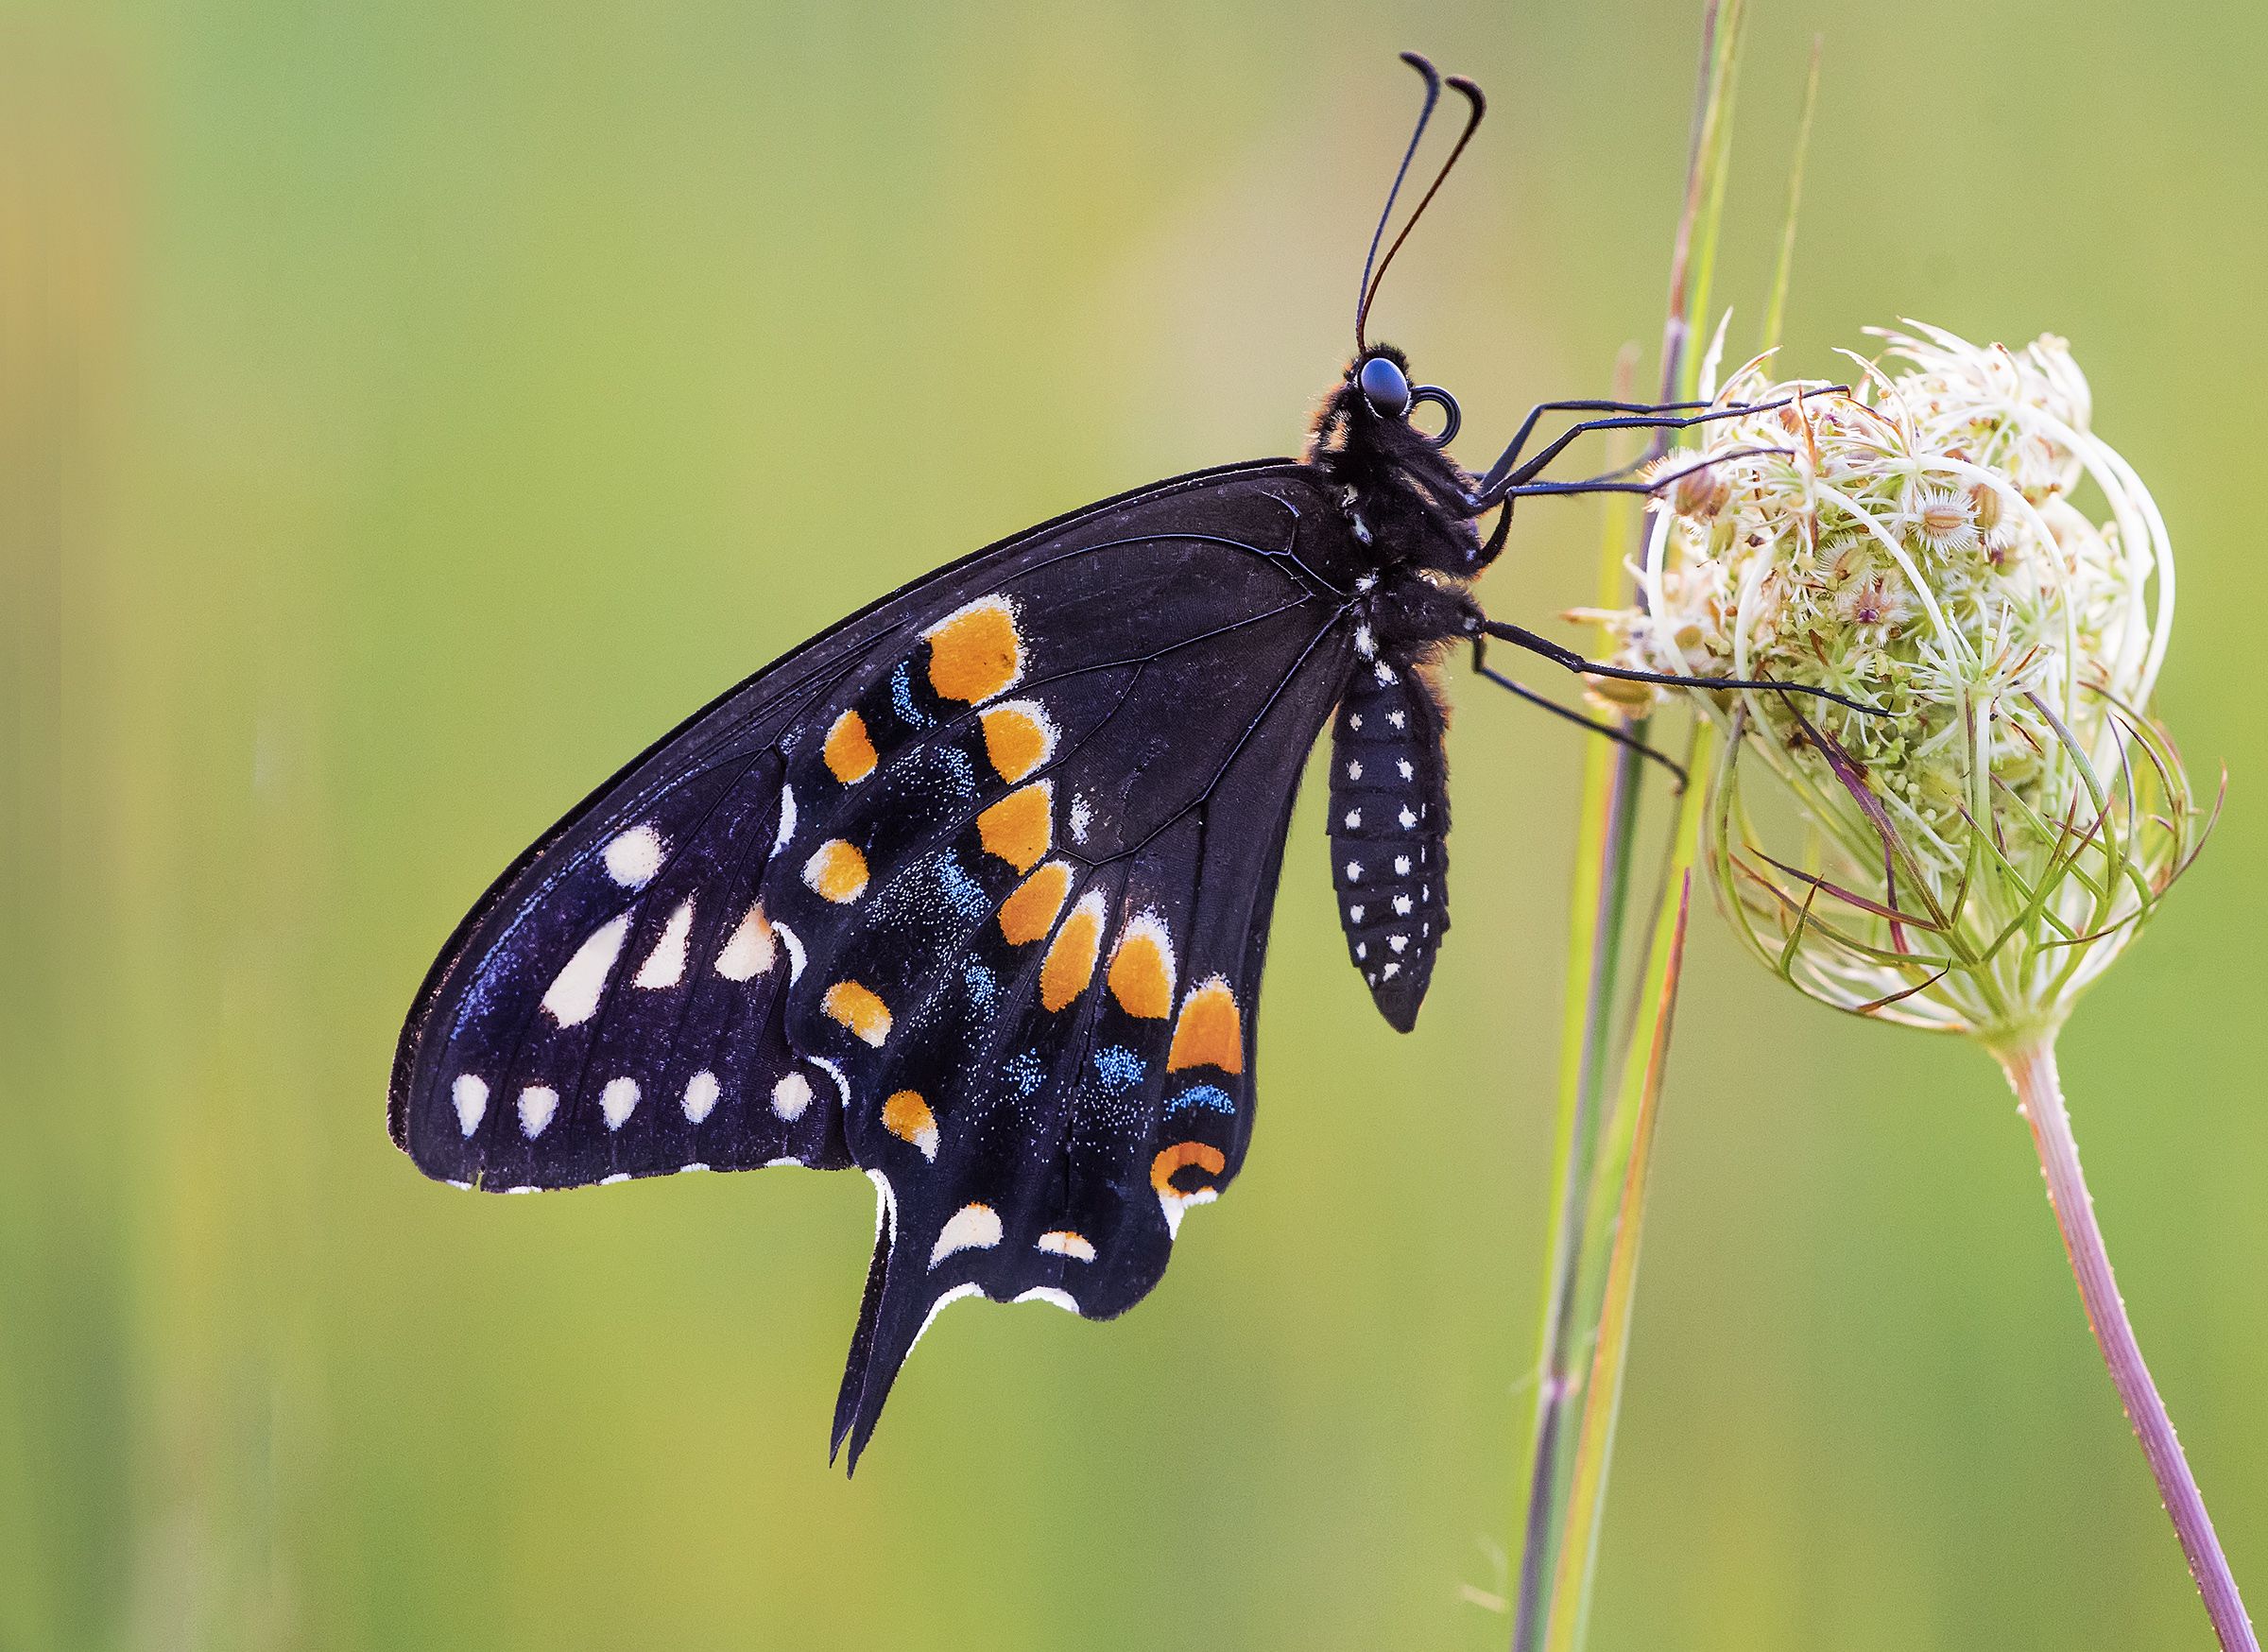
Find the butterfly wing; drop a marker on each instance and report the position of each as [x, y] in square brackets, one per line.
[971, 892]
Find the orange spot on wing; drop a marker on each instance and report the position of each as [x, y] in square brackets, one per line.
[975, 653]
[849, 751]
[1179, 1156]
[836, 870]
[858, 1008]
[1209, 1033]
[1018, 738]
[1141, 970]
[906, 1116]
[1020, 827]
[1070, 961]
[1030, 912]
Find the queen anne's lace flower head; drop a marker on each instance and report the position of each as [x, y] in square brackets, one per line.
[1955, 547]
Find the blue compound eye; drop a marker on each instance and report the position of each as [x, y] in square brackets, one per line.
[1384, 388]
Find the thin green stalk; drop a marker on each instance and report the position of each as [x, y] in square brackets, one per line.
[1602, 896]
[1776, 312]
[1594, 1449]
[1602, 1156]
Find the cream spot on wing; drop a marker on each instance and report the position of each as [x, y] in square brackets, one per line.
[575, 991]
[618, 1101]
[470, 1095]
[1397, 720]
[1080, 819]
[1354, 819]
[634, 856]
[1354, 769]
[1401, 905]
[1408, 820]
[791, 1095]
[1354, 913]
[1049, 1294]
[787, 819]
[665, 965]
[1354, 871]
[702, 1090]
[1398, 942]
[619, 1176]
[1063, 1241]
[750, 951]
[1401, 865]
[970, 1227]
[538, 1103]
[1404, 764]
[1384, 673]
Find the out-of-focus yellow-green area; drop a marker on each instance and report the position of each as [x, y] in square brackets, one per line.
[412, 408]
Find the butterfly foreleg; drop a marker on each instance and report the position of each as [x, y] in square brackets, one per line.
[1509, 477]
[1513, 449]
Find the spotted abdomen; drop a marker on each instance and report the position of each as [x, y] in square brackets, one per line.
[1389, 826]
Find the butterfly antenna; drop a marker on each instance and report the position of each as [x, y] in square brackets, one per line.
[1433, 95]
[1433, 83]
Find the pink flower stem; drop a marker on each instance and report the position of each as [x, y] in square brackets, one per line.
[2031, 1068]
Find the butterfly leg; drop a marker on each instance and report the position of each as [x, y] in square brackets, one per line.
[1510, 456]
[1519, 636]
[1619, 735]
[1510, 477]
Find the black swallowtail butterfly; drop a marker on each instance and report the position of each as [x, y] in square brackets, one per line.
[972, 890]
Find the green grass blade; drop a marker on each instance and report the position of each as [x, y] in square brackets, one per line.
[1594, 1446]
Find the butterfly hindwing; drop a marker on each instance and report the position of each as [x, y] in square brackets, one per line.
[1075, 1070]
[971, 892]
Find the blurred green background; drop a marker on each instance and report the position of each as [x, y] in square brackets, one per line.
[411, 408]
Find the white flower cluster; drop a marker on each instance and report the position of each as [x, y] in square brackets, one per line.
[1988, 836]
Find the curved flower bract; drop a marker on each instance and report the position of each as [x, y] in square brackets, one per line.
[1953, 548]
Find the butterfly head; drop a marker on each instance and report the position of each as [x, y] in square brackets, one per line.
[1401, 485]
